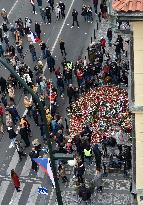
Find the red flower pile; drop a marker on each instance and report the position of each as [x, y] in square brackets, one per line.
[103, 108]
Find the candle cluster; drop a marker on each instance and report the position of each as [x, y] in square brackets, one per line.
[103, 108]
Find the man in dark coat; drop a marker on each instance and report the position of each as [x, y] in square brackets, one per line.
[3, 85]
[24, 132]
[51, 63]
[70, 93]
[62, 7]
[37, 29]
[75, 15]
[62, 47]
[97, 154]
[34, 154]
[39, 2]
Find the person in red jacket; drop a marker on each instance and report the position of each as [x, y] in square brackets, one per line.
[15, 180]
[103, 44]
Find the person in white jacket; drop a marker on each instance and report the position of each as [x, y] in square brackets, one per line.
[58, 11]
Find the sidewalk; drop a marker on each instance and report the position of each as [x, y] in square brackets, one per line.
[116, 188]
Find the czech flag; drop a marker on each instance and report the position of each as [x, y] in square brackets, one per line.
[34, 38]
[45, 166]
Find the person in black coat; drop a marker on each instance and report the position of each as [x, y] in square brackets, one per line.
[39, 2]
[51, 2]
[24, 132]
[75, 15]
[62, 47]
[1, 35]
[34, 154]
[5, 28]
[70, 93]
[3, 85]
[62, 7]
[51, 63]
[97, 154]
[37, 29]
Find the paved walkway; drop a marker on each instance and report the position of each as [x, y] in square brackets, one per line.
[115, 186]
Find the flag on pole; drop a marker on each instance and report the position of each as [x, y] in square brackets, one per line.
[45, 166]
[43, 190]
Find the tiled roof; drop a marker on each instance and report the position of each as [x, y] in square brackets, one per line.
[128, 5]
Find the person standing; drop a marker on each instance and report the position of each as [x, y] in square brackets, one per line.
[33, 6]
[19, 149]
[32, 51]
[15, 180]
[58, 11]
[109, 36]
[34, 154]
[62, 47]
[75, 15]
[51, 2]
[1, 119]
[43, 49]
[24, 132]
[62, 7]
[95, 4]
[4, 15]
[1, 35]
[37, 29]
[70, 92]
[12, 136]
[48, 13]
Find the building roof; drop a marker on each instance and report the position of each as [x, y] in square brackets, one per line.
[128, 5]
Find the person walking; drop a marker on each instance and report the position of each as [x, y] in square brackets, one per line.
[15, 180]
[19, 149]
[37, 29]
[62, 47]
[75, 15]
[33, 6]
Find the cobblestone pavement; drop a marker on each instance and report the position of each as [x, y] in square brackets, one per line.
[116, 188]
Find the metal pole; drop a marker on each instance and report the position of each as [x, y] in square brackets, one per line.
[43, 115]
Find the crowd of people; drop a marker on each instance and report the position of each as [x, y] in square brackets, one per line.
[97, 96]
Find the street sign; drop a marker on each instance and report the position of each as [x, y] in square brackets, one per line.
[43, 190]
